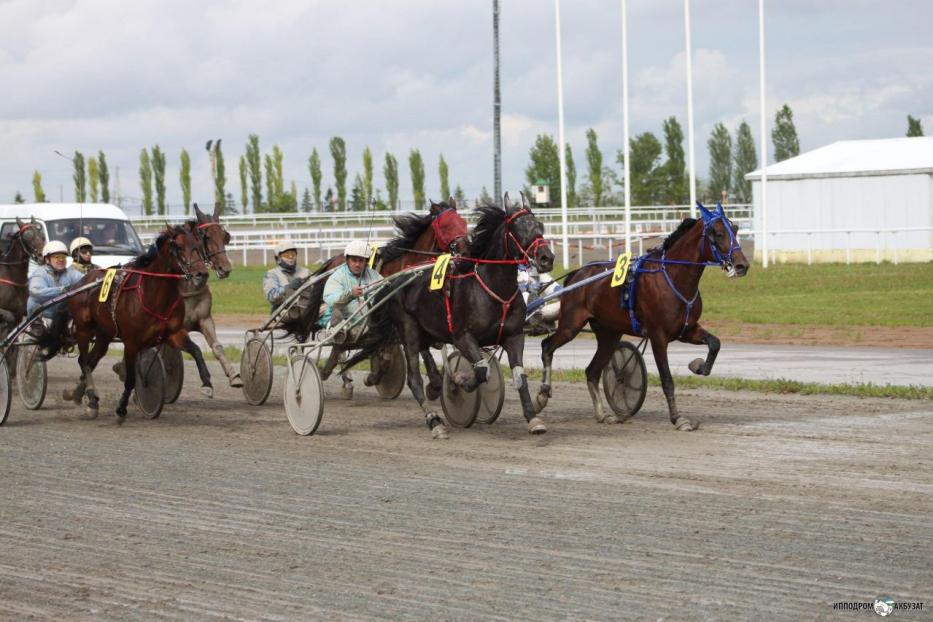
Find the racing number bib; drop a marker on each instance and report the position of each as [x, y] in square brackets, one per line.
[439, 272]
[621, 269]
[372, 257]
[105, 286]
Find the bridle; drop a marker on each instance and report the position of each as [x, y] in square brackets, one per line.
[184, 265]
[27, 231]
[526, 252]
[203, 249]
[724, 261]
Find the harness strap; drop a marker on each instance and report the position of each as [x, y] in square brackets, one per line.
[13, 283]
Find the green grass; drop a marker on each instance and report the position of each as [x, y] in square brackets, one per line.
[822, 294]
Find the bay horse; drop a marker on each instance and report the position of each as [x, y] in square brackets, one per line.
[22, 245]
[479, 305]
[144, 308]
[420, 239]
[663, 304]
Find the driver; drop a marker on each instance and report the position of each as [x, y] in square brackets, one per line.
[534, 285]
[287, 274]
[81, 252]
[344, 288]
[50, 280]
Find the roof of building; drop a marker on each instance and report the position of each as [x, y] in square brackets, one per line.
[849, 158]
[53, 211]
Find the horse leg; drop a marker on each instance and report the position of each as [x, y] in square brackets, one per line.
[435, 379]
[514, 347]
[469, 348]
[77, 393]
[336, 356]
[409, 331]
[210, 334]
[606, 343]
[566, 331]
[192, 348]
[659, 350]
[91, 360]
[130, 352]
[697, 335]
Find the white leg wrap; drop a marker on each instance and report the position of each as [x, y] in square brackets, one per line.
[518, 376]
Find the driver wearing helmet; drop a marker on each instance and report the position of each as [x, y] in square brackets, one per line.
[286, 274]
[344, 288]
[81, 251]
[51, 279]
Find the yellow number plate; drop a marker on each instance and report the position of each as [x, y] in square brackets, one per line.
[439, 272]
[621, 269]
[372, 258]
[105, 286]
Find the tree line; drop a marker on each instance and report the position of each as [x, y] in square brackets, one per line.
[655, 180]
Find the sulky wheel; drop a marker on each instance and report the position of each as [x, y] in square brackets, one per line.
[33, 378]
[304, 395]
[6, 390]
[625, 380]
[491, 392]
[174, 366]
[256, 371]
[150, 383]
[460, 407]
[394, 370]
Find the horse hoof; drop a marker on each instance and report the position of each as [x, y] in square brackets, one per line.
[236, 381]
[121, 419]
[90, 413]
[696, 366]
[685, 425]
[439, 432]
[67, 395]
[369, 380]
[536, 426]
[346, 391]
[207, 391]
[612, 419]
[432, 392]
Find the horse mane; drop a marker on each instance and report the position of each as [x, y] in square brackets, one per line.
[409, 228]
[681, 230]
[142, 261]
[491, 218]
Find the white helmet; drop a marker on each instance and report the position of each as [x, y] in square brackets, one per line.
[357, 248]
[78, 243]
[53, 247]
[285, 245]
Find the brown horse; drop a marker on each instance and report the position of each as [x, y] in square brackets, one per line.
[144, 308]
[663, 304]
[24, 244]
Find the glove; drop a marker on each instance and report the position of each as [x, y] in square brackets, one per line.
[296, 282]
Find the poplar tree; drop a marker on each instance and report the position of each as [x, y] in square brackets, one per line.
[338, 151]
[79, 177]
[368, 177]
[254, 163]
[244, 183]
[145, 181]
[784, 135]
[444, 173]
[37, 190]
[93, 179]
[220, 194]
[390, 172]
[158, 171]
[675, 168]
[571, 175]
[594, 165]
[647, 174]
[720, 161]
[271, 198]
[416, 165]
[745, 161]
[104, 177]
[184, 178]
[314, 164]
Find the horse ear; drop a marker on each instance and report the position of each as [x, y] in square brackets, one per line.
[198, 212]
[705, 212]
[719, 210]
[505, 201]
[452, 202]
[524, 200]
[19, 223]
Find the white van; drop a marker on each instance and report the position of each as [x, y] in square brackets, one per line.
[114, 238]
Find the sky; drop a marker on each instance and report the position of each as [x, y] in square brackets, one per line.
[394, 75]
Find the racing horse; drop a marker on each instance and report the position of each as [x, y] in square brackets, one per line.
[662, 303]
[421, 238]
[145, 309]
[478, 305]
[22, 245]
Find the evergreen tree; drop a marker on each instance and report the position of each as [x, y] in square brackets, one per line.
[544, 166]
[338, 151]
[277, 160]
[720, 161]
[745, 161]
[484, 198]
[104, 177]
[184, 178]
[306, 204]
[416, 165]
[390, 172]
[571, 175]
[229, 205]
[158, 173]
[271, 198]
[648, 176]
[358, 195]
[367, 177]
[675, 169]
[79, 177]
[244, 183]
[37, 190]
[145, 181]
[459, 196]
[444, 174]
[594, 163]
[914, 127]
[18, 198]
[93, 178]
[784, 135]
[254, 163]
[314, 164]
[220, 183]
[329, 200]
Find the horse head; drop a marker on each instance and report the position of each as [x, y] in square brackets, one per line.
[31, 238]
[213, 238]
[524, 236]
[179, 246]
[723, 248]
[451, 233]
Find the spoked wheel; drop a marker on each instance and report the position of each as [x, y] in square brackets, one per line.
[491, 392]
[304, 395]
[150, 383]
[33, 378]
[625, 380]
[256, 371]
[394, 371]
[6, 390]
[460, 407]
[174, 366]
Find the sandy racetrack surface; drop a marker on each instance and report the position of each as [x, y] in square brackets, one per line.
[776, 508]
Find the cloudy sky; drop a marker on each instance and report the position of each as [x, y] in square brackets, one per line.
[117, 76]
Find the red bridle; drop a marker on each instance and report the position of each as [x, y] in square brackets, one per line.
[508, 236]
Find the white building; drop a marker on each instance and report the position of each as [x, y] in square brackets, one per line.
[853, 200]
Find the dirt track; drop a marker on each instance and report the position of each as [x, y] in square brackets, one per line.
[776, 508]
